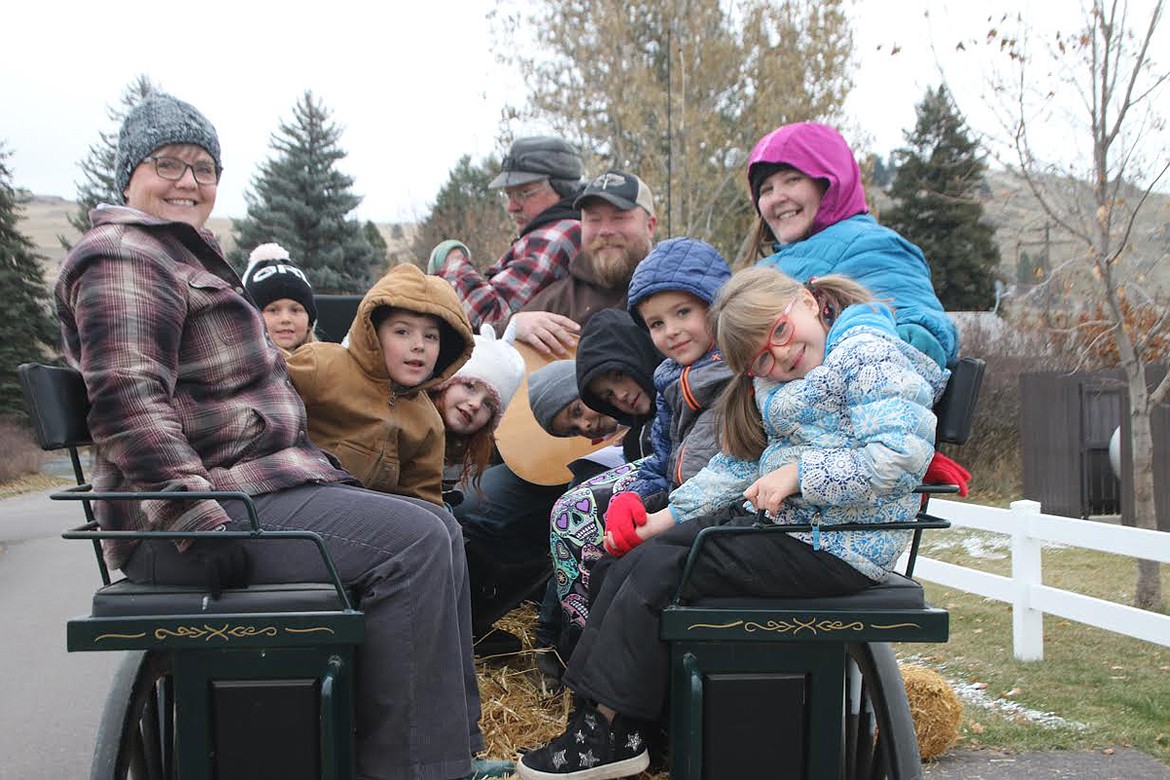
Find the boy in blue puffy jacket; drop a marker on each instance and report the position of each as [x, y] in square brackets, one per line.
[670, 293]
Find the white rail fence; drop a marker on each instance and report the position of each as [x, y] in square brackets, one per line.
[1024, 589]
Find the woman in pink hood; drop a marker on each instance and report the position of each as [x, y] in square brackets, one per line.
[814, 221]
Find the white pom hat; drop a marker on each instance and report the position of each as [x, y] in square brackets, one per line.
[270, 251]
[496, 364]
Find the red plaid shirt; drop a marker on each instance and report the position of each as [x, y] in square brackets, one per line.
[534, 260]
[186, 391]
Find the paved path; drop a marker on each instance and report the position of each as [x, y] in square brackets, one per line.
[50, 700]
[1117, 764]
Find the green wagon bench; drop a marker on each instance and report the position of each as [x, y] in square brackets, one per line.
[257, 683]
[807, 688]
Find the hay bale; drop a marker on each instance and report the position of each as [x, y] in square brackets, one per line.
[936, 709]
[518, 710]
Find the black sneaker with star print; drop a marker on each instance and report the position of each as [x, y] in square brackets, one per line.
[590, 749]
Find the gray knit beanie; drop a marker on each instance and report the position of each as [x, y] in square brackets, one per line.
[160, 120]
[551, 389]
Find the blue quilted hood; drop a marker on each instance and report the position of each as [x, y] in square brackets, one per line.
[680, 264]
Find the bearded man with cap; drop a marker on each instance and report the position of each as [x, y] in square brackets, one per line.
[509, 518]
[187, 395]
[617, 231]
[617, 224]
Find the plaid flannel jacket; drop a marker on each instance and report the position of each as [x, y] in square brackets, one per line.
[186, 391]
[534, 260]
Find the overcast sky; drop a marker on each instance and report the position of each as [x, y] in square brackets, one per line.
[415, 85]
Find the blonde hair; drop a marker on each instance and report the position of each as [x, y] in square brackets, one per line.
[741, 316]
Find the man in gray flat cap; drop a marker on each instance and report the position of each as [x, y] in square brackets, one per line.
[577, 248]
[538, 180]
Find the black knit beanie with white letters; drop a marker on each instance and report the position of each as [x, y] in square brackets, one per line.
[271, 275]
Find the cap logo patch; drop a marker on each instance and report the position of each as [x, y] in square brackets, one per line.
[607, 180]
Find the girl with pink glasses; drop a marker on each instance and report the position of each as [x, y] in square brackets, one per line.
[827, 419]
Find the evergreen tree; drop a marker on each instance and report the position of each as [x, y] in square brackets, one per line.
[936, 189]
[301, 200]
[467, 210]
[374, 236]
[882, 171]
[28, 332]
[97, 169]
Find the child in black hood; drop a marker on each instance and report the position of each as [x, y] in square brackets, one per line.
[615, 375]
[616, 360]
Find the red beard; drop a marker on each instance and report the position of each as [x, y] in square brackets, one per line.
[614, 260]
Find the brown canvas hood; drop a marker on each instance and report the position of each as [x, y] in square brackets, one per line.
[406, 287]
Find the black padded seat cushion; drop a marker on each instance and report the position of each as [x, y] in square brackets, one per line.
[893, 592]
[126, 599]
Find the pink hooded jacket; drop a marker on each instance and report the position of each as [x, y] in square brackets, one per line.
[820, 152]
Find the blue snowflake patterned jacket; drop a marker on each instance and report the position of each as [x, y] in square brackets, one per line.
[861, 428]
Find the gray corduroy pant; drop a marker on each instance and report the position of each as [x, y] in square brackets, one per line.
[417, 700]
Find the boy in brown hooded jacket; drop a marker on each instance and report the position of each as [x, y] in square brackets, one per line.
[366, 401]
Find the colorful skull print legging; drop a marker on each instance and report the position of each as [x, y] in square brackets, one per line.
[577, 530]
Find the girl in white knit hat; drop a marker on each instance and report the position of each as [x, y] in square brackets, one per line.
[472, 402]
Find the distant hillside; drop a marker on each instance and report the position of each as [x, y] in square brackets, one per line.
[1028, 238]
[1025, 234]
[46, 218]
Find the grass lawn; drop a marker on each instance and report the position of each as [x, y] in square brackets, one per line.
[29, 483]
[1093, 687]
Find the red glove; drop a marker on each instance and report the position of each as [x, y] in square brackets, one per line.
[625, 513]
[944, 471]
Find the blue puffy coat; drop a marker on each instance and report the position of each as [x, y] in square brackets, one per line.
[893, 269]
[861, 429]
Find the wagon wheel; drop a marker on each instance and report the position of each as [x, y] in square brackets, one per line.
[136, 738]
[880, 743]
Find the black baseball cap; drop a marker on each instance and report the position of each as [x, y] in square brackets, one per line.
[624, 190]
